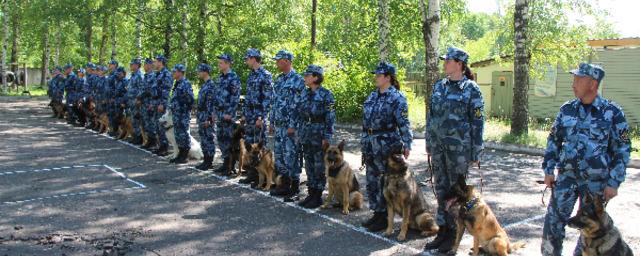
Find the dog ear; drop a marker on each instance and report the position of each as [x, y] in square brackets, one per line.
[260, 144]
[247, 145]
[341, 145]
[325, 147]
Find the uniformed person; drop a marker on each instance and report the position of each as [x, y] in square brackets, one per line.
[287, 86]
[226, 99]
[160, 92]
[147, 101]
[71, 88]
[180, 106]
[135, 85]
[54, 92]
[315, 107]
[120, 95]
[453, 136]
[385, 123]
[589, 147]
[256, 106]
[110, 95]
[205, 117]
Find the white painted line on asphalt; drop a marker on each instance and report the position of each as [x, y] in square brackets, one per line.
[125, 177]
[70, 195]
[525, 221]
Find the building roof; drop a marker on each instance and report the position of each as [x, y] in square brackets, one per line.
[606, 42]
[485, 62]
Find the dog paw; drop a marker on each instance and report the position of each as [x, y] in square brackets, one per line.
[324, 206]
[345, 212]
[401, 237]
[388, 232]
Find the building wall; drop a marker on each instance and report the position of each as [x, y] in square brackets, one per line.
[484, 77]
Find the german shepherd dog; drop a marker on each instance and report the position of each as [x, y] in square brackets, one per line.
[238, 148]
[102, 122]
[261, 158]
[474, 214]
[343, 185]
[403, 195]
[598, 234]
[125, 126]
[58, 108]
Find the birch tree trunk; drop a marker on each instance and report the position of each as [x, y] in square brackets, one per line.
[44, 71]
[431, 36]
[5, 37]
[520, 115]
[383, 29]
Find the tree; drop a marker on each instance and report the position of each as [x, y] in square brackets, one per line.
[314, 10]
[431, 34]
[520, 115]
[383, 29]
[5, 37]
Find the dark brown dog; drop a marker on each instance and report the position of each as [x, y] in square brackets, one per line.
[404, 196]
[261, 158]
[238, 149]
[342, 183]
[599, 236]
[125, 126]
[474, 214]
[58, 108]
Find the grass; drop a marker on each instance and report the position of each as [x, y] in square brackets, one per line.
[34, 90]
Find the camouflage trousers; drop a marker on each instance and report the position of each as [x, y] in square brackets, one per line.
[181, 129]
[314, 166]
[136, 118]
[448, 163]
[224, 132]
[149, 124]
[207, 139]
[253, 134]
[287, 153]
[564, 195]
[375, 168]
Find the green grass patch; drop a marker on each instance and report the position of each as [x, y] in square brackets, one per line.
[34, 90]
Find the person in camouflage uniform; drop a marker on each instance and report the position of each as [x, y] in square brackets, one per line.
[589, 147]
[160, 93]
[110, 97]
[120, 95]
[135, 85]
[180, 105]
[148, 110]
[454, 137]
[226, 99]
[287, 86]
[256, 106]
[53, 90]
[72, 89]
[385, 123]
[206, 118]
[315, 106]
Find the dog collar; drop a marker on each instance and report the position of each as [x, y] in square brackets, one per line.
[472, 203]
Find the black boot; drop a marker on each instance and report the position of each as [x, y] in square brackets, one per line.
[440, 238]
[293, 192]
[163, 150]
[311, 192]
[284, 189]
[206, 163]
[223, 167]
[252, 176]
[370, 221]
[137, 140]
[380, 222]
[446, 246]
[231, 167]
[183, 154]
[316, 200]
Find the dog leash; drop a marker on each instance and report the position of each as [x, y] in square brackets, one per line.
[430, 180]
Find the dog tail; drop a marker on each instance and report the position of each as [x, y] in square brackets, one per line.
[516, 246]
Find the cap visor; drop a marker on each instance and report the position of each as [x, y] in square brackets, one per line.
[577, 72]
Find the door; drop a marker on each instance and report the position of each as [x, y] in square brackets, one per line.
[502, 93]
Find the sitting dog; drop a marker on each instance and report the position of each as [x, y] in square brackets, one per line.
[342, 181]
[195, 152]
[59, 110]
[102, 122]
[404, 196]
[261, 158]
[598, 234]
[125, 126]
[474, 214]
[238, 149]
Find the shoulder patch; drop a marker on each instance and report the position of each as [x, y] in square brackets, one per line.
[624, 136]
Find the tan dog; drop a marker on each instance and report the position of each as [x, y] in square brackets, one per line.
[475, 215]
[261, 158]
[59, 109]
[125, 126]
[404, 196]
[342, 183]
[103, 123]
